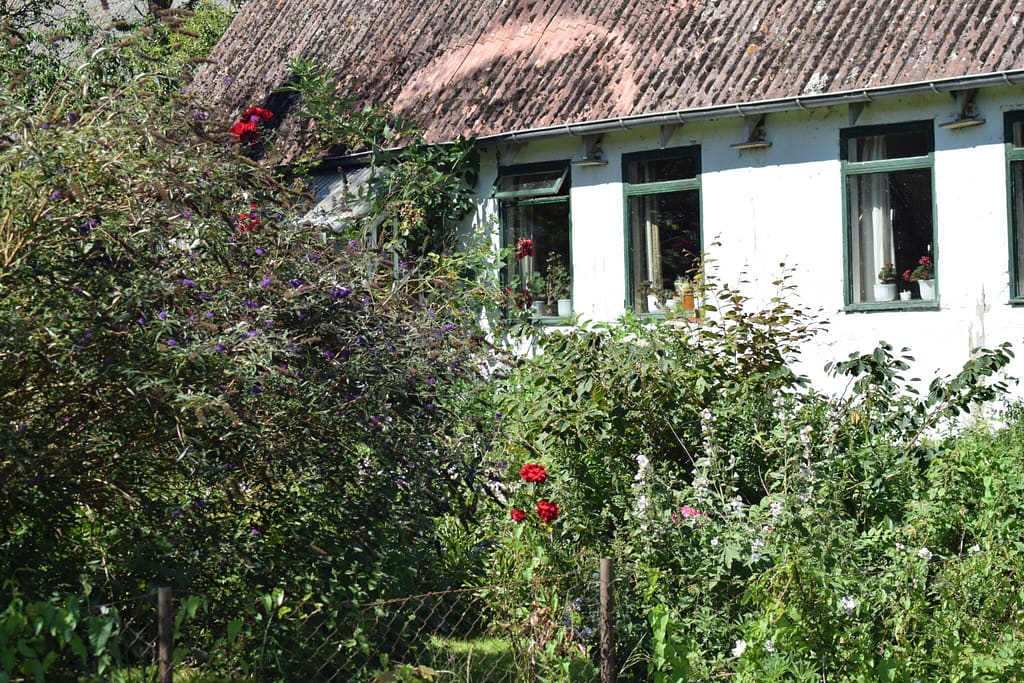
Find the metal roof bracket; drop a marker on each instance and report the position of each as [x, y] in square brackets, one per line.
[665, 133]
[592, 155]
[755, 134]
[855, 110]
[508, 152]
[967, 111]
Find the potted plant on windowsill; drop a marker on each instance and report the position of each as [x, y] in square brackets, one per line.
[648, 291]
[885, 288]
[924, 275]
[538, 289]
[557, 277]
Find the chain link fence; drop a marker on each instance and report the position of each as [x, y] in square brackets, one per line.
[545, 627]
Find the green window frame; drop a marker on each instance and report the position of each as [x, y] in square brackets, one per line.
[1013, 125]
[533, 204]
[664, 233]
[888, 185]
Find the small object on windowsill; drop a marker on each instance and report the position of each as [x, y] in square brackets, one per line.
[684, 292]
[905, 295]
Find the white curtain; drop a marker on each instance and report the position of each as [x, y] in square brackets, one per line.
[871, 220]
[653, 244]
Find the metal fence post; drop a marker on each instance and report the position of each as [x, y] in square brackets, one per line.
[165, 635]
[607, 640]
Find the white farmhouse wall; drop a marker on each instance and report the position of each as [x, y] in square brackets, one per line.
[784, 205]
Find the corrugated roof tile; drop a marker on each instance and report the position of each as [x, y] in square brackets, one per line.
[479, 67]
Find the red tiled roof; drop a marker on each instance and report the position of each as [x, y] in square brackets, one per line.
[483, 67]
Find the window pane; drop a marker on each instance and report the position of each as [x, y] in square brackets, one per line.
[890, 219]
[665, 235]
[1018, 133]
[916, 143]
[540, 182]
[1017, 210]
[547, 224]
[683, 167]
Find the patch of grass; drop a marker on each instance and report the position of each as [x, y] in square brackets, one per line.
[492, 660]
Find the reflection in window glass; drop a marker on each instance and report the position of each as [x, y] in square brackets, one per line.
[890, 218]
[1017, 216]
[665, 234]
[659, 170]
[1014, 122]
[535, 209]
[522, 184]
[889, 221]
[663, 204]
[890, 146]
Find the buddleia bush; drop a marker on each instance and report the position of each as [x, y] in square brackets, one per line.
[202, 386]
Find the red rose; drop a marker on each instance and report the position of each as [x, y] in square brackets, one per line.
[547, 510]
[517, 514]
[534, 473]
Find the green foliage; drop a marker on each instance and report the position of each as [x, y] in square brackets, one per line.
[203, 390]
[417, 195]
[761, 530]
[57, 637]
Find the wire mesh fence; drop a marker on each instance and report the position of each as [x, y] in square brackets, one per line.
[490, 634]
[537, 627]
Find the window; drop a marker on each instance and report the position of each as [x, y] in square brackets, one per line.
[534, 206]
[663, 216]
[1015, 158]
[890, 227]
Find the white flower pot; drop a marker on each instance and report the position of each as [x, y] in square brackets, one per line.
[905, 295]
[652, 303]
[564, 308]
[885, 292]
[927, 288]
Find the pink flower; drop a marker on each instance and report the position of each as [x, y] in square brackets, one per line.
[688, 512]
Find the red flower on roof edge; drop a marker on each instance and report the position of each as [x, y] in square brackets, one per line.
[246, 128]
[257, 114]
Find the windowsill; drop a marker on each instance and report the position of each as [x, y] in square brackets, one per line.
[550, 320]
[670, 315]
[912, 305]
[1016, 302]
